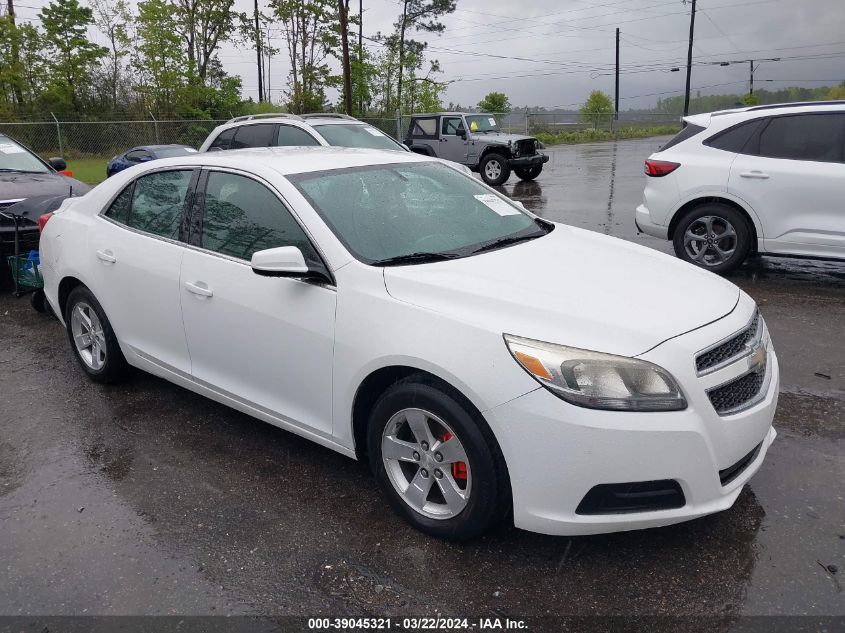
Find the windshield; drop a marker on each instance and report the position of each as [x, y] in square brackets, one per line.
[357, 135]
[395, 211]
[168, 152]
[482, 123]
[15, 157]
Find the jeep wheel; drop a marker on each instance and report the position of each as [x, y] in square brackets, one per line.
[528, 173]
[495, 169]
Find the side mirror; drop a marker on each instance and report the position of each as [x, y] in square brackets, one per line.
[146, 159]
[57, 163]
[284, 261]
[462, 134]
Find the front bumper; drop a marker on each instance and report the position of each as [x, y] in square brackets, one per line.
[644, 224]
[556, 452]
[529, 161]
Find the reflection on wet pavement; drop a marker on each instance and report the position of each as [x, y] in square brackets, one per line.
[145, 498]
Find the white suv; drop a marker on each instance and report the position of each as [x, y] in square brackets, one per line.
[280, 129]
[765, 179]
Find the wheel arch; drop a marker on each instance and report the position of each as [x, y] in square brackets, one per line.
[753, 223]
[66, 286]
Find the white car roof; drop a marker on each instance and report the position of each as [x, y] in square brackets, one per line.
[294, 160]
[727, 118]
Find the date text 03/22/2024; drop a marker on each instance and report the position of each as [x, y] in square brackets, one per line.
[416, 624]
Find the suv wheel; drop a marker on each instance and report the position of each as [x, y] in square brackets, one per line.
[528, 173]
[92, 338]
[714, 236]
[434, 462]
[495, 169]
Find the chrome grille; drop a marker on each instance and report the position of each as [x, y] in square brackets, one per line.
[737, 394]
[724, 353]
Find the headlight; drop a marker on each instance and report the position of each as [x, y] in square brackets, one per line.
[595, 380]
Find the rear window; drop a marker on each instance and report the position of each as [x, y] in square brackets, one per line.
[425, 128]
[736, 138]
[223, 140]
[288, 136]
[688, 132]
[260, 135]
[813, 137]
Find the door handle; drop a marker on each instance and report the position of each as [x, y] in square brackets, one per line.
[754, 174]
[199, 288]
[106, 256]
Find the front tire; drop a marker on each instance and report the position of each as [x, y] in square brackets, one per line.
[92, 338]
[528, 173]
[436, 463]
[495, 169]
[713, 236]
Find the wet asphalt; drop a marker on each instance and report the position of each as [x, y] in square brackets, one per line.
[146, 499]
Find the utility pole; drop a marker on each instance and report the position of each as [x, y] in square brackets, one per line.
[361, 54]
[347, 75]
[16, 54]
[751, 66]
[260, 62]
[689, 57]
[616, 108]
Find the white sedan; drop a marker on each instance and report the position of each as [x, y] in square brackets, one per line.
[397, 311]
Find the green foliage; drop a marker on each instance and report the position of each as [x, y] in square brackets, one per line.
[597, 108]
[72, 55]
[592, 135]
[836, 93]
[750, 99]
[495, 103]
[160, 60]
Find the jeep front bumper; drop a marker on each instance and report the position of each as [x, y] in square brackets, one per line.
[529, 161]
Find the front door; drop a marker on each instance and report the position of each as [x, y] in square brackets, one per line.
[264, 341]
[453, 144]
[795, 182]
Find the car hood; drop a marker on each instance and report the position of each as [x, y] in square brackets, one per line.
[500, 137]
[571, 287]
[22, 185]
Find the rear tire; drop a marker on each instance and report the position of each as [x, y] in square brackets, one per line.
[714, 236]
[92, 338]
[435, 461]
[528, 173]
[495, 169]
[38, 301]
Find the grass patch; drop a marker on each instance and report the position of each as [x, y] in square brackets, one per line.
[591, 135]
[91, 171]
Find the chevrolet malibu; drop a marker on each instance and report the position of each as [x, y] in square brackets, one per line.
[485, 362]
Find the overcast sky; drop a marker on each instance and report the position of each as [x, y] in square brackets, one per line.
[553, 52]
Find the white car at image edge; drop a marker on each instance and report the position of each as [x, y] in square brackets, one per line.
[765, 179]
[388, 307]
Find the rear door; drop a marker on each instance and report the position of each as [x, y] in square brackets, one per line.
[425, 133]
[792, 173]
[137, 246]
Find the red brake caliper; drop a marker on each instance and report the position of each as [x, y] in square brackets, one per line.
[459, 469]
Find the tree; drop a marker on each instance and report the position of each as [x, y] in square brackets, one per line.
[417, 15]
[597, 107]
[112, 18]
[160, 57]
[308, 27]
[750, 99]
[73, 56]
[343, 12]
[836, 93]
[496, 103]
[203, 24]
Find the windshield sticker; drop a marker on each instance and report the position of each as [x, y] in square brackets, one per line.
[374, 131]
[11, 148]
[495, 203]
[491, 121]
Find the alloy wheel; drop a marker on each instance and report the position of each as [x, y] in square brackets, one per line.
[710, 240]
[88, 336]
[426, 463]
[493, 169]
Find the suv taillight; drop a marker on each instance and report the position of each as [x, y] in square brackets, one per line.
[42, 221]
[658, 168]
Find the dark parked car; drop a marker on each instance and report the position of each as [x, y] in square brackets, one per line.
[144, 154]
[29, 187]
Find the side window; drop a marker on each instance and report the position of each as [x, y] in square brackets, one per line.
[813, 137]
[736, 138]
[424, 128]
[157, 202]
[260, 135]
[223, 140]
[453, 126]
[138, 155]
[119, 209]
[243, 216]
[288, 135]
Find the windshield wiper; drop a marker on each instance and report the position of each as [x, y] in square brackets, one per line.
[507, 241]
[414, 258]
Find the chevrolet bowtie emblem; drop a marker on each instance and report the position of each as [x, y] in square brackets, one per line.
[757, 360]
